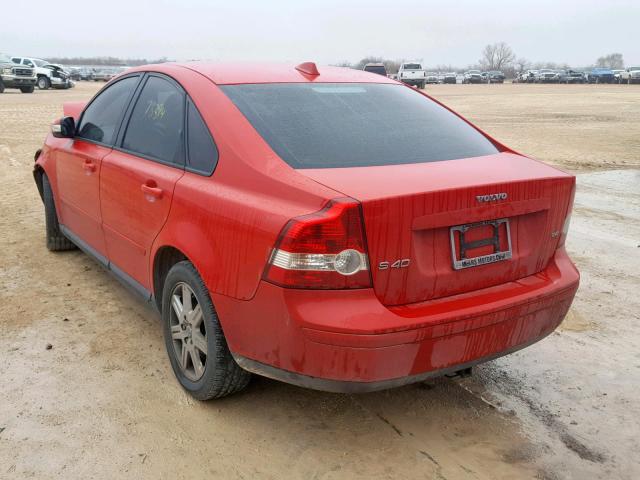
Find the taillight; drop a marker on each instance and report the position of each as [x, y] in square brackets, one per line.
[323, 250]
[567, 220]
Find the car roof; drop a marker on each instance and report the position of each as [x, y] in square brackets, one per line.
[235, 73]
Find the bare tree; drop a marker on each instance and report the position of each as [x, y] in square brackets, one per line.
[522, 64]
[613, 61]
[497, 56]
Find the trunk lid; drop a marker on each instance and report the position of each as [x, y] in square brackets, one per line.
[409, 211]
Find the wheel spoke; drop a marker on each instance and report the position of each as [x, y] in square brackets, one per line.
[177, 307]
[199, 341]
[198, 368]
[184, 357]
[186, 299]
[195, 317]
[177, 333]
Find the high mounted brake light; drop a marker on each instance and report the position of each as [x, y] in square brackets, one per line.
[323, 250]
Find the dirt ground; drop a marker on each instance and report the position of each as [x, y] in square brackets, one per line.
[102, 402]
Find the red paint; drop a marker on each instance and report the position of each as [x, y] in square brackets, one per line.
[423, 317]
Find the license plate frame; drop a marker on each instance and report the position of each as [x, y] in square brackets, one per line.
[494, 240]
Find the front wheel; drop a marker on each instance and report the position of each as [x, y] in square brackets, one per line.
[27, 89]
[43, 83]
[56, 241]
[194, 339]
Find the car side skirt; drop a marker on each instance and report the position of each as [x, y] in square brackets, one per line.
[117, 272]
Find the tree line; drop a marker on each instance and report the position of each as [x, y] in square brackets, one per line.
[496, 56]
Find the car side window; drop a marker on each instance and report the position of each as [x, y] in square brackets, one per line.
[15, 59]
[101, 119]
[156, 125]
[202, 154]
[29, 63]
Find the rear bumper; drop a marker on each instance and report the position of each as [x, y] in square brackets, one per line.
[348, 341]
[413, 81]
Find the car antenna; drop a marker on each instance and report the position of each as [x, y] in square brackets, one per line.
[308, 68]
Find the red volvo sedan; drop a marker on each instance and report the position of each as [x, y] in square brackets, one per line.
[329, 228]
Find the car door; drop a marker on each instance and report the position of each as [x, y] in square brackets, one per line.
[138, 178]
[79, 161]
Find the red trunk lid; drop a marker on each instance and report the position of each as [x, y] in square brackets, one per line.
[409, 211]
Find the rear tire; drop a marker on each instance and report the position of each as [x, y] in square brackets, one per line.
[1, 86]
[191, 325]
[56, 241]
[27, 89]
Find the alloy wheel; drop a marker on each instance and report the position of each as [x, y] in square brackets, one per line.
[188, 332]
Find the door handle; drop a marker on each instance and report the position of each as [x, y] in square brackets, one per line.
[151, 192]
[89, 166]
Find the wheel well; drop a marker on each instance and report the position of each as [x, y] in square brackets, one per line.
[166, 257]
[38, 173]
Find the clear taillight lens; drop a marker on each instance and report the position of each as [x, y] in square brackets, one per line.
[323, 250]
[567, 220]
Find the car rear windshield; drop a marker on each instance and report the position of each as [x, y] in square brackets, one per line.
[329, 125]
[412, 66]
[379, 69]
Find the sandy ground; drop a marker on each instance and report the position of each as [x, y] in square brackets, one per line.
[103, 402]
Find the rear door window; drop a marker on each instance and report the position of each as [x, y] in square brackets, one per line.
[202, 154]
[156, 125]
[328, 125]
[101, 119]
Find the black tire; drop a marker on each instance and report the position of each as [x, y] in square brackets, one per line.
[56, 241]
[43, 83]
[27, 89]
[1, 86]
[222, 376]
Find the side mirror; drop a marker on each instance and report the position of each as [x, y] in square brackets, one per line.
[65, 129]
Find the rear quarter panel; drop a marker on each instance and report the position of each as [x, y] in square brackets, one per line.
[228, 223]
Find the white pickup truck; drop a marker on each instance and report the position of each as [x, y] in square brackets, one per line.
[412, 73]
[48, 75]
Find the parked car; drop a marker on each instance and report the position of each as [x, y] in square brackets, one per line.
[102, 75]
[472, 76]
[74, 73]
[378, 68]
[412, 73]
[546, 75]
[633, 75]
[561, 76]
[282, 226]
[43, 74]
[618, 76]
[16, 76]
[449, 77]
[600, 75]
[495, 76]
[431, 78]
[86, 73]
[574, 76]
[530, 76]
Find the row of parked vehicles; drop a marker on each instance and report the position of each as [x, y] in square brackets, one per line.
[28, 73]
[595, 75]
[413, 73]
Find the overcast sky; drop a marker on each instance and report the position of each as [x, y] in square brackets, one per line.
[326, 31]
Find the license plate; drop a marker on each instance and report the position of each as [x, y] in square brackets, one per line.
[460, 249]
